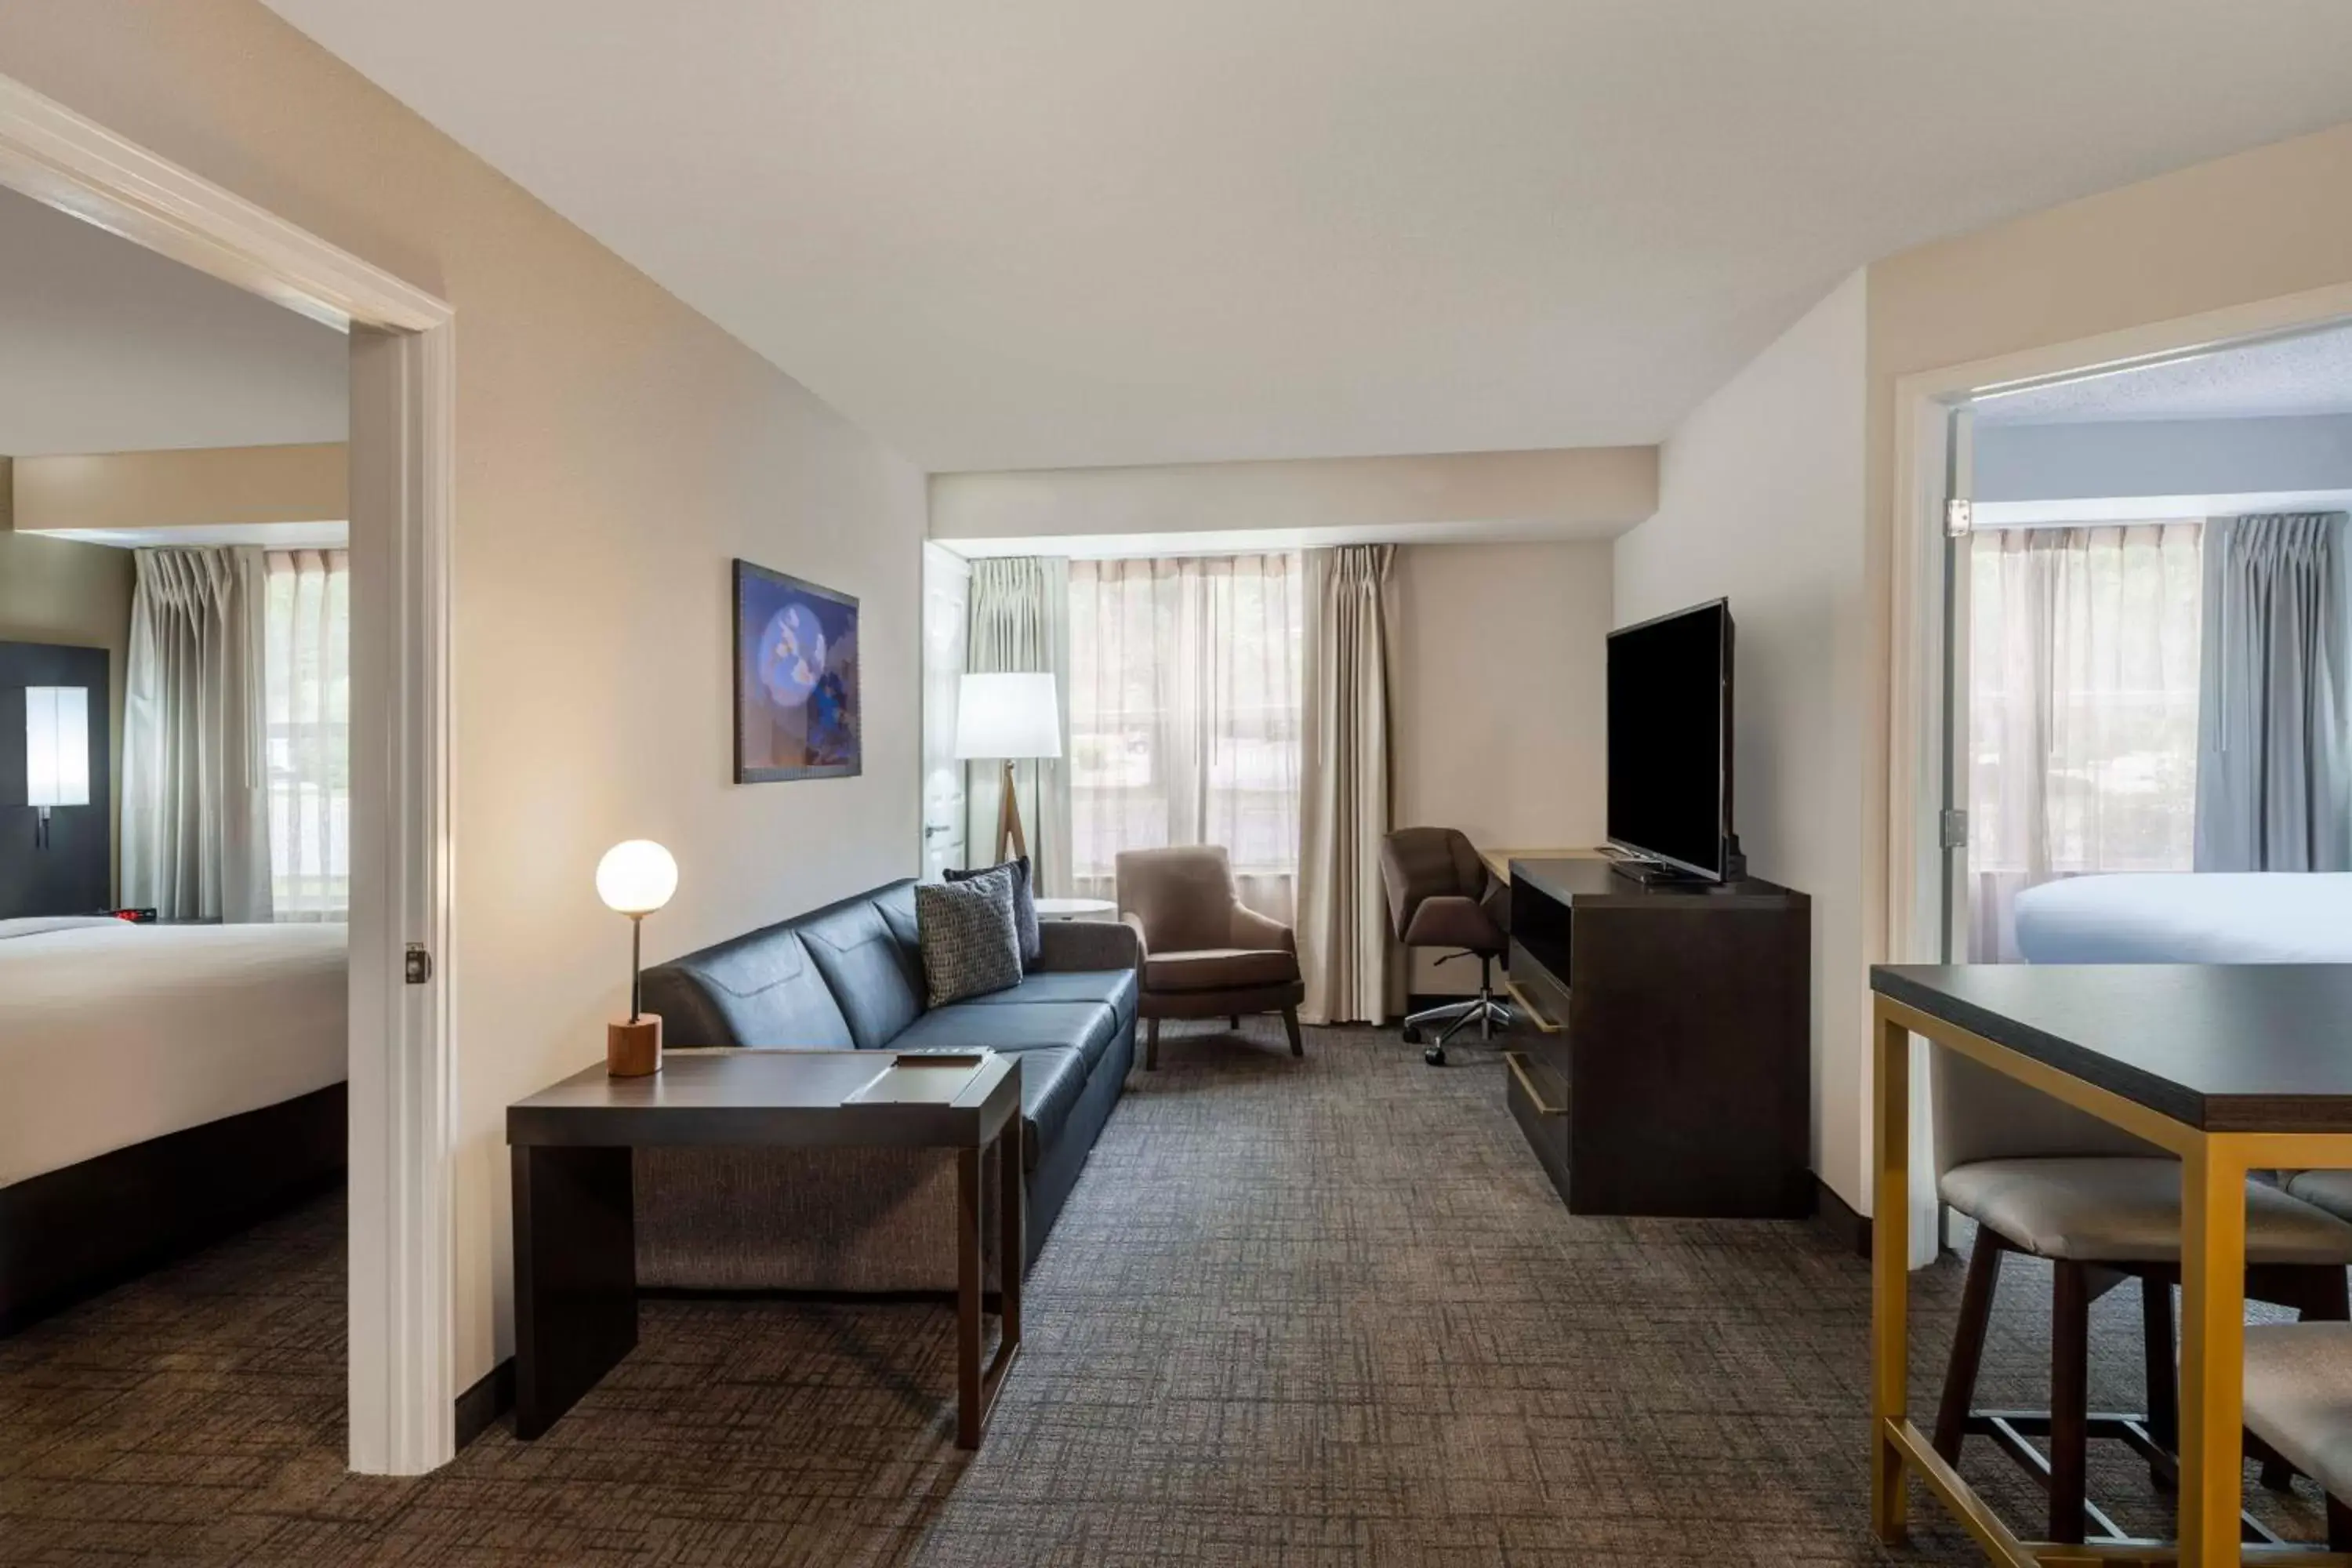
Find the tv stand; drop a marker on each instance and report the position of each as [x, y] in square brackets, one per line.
[1662, 1061]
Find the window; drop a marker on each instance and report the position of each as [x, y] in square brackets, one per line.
[306, 626]
[1185, 691]
[2083, 690]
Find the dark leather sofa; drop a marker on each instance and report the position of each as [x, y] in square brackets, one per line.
[849, 976]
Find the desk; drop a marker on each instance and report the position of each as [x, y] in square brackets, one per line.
[1499, 861]
[2231, 1069]
[575, 1250]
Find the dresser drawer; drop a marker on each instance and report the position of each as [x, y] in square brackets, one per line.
[1539, 1100]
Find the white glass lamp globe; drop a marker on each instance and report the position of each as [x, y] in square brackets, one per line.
[636, 878]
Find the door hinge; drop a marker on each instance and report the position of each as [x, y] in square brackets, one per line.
[1955, 829]
[419, 966]
[1959, 516]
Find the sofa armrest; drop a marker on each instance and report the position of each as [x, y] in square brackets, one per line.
[1088, 944]
[1253, 930]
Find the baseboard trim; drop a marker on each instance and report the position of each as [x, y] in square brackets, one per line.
[1833, 1211]
[480, 1408]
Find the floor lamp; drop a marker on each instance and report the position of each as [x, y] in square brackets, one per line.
[1013, 717]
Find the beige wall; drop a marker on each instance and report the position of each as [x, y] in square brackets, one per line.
[1760, 502]
[1591, 492]
[2256, 227]
[615, 451]
[184, 488]
[1499, 700]
[78, 596]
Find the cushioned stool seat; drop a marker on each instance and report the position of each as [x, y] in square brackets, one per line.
[2299, 1403]
[2121, 1209]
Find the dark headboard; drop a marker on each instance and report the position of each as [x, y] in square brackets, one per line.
[71, 877]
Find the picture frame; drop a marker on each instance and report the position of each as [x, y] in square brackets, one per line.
[798, 710]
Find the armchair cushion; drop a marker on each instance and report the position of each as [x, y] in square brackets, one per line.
[1219, 969]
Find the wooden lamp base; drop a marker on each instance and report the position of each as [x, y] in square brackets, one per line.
[633, 1048]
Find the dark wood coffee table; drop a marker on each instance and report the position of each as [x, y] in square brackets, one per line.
[575, 1257]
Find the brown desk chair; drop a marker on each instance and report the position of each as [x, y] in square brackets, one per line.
[1441, 894]
[1204, 955]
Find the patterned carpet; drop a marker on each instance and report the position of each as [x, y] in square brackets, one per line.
[1298, 1315]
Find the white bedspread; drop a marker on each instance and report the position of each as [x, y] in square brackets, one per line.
[2211, 917]
[112, 1033]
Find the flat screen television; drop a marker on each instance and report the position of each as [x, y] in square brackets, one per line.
[1670, 741]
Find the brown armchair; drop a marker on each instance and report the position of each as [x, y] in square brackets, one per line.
[1441, 894]
[1204, 955]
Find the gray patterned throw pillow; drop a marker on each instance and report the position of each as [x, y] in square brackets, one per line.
[966, 930]
[1024, 904]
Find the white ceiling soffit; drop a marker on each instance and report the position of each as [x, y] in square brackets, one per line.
[2150, 508]
[1062, 233]
[269, 535]
[107, 347]
[1263, 540]
[2310, 373]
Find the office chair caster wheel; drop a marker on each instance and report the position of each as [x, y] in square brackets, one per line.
[1434, 1056]
[1412, 1036]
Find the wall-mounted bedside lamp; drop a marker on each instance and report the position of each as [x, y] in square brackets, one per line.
[56, 751]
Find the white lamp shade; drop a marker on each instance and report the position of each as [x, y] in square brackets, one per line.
[636, 878]
[57, 745]
[1008, 715]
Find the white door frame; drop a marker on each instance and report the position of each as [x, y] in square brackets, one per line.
[1915, 854]
[403, 470]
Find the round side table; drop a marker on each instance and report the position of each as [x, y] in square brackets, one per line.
[1076, 910]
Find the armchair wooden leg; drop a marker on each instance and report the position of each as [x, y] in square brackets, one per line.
[2070, 1397]
[1291, 1028]
[1151, 1046]
[1235, 1021]
[1968, 1343]
[2339, 1526]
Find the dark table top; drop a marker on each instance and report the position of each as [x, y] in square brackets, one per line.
[777, 1098]
[1590, 883]
[2250, 1047]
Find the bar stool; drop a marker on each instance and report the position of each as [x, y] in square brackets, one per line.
[2299, 1409]
[2045, 1179]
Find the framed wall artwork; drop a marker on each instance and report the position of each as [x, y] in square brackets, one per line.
[797, 709]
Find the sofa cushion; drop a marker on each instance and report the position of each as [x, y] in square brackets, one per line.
[1114, 988]
[970, 942]
[865, 950]
[1086, 1027]
[758, 990]
[1219, 969]
[1051, 1084]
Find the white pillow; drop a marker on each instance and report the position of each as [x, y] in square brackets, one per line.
[36, 925]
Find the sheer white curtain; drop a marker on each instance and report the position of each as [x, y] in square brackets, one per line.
[307, 623]
[2083, 670]
[1185, 695]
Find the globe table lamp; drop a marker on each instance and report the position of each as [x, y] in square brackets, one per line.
[635, 879]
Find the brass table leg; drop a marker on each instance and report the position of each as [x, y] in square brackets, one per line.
[2212, 1352]
[1890, 1264]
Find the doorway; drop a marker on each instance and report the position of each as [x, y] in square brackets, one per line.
[401, 1405]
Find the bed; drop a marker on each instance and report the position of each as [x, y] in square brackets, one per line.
[164, 1085]
[2210, 917]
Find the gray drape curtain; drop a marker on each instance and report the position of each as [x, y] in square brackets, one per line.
[2274, 793]
[1344, 940]
[1019, 621]
[195, 803]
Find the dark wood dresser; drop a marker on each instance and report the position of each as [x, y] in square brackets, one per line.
[1662, 1061]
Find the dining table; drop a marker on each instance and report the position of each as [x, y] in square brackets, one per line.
[2232, 1070]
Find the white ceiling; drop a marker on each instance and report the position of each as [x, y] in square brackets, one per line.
[106, 347]
[2306, 374]
[1034, 233]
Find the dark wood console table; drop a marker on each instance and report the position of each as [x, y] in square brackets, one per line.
[575, 1250]
[1662, 1059]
